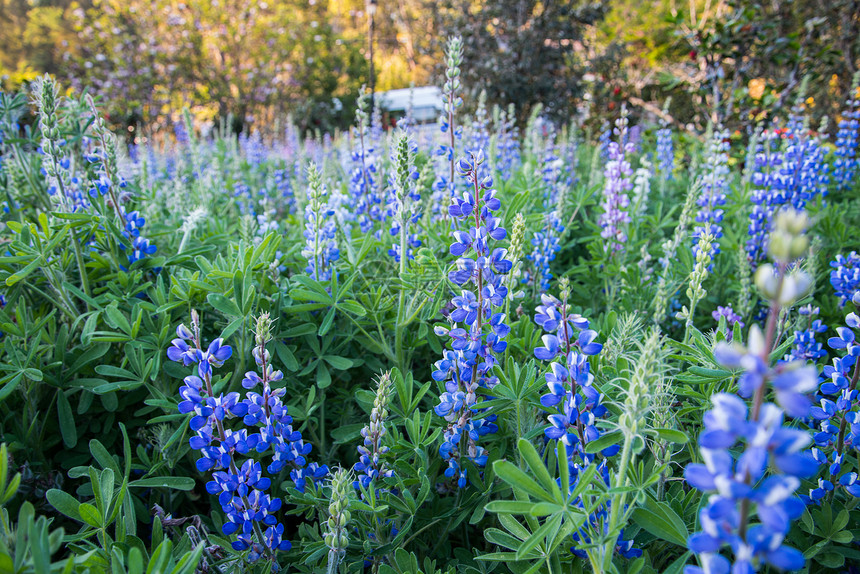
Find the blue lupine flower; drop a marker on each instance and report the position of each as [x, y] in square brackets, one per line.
[731, 318]
[803, 175]
[507, 156]
[665, 153]
[452, 101]
[574, 404]
[836, 416]
[468, 365]
[366, 199]
[604, 139]
[546, 246]
[714, 184]
[241, 487]
[847, 138]
[845, 277]
[742, 483]
[766, 200]
[806, 347]
[283, 184]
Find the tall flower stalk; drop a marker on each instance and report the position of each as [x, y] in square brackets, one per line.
[695, 290]
[320, 245]
[451, 95]
[57, 166]
[614, 217]
[405, 215]
[670, 248]
[477, 332]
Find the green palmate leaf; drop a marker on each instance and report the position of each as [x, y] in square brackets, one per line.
[659, 519]
[538, 468]
[223, 304]
[519, 479]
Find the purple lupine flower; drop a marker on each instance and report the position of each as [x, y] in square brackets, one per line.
[836, 416]
[731, 318]
[766, 166]
[740, 489]
[507, 157]
[614, 217]
[574, 405]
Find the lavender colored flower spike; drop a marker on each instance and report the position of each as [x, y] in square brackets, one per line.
[765, 172]
[478, 330]
[835, 419]
[665, 153]
[546, 246]
[614, 217]
[731, 318]
[573, 404]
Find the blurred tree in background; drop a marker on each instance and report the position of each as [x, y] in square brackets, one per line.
[718, 60]
[526, 51]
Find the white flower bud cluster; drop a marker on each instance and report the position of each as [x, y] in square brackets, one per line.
[338, 509]
[515, 254]
[787, 242]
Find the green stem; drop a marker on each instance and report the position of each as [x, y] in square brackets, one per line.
[401, 301]
[618, 502]
[85, 282]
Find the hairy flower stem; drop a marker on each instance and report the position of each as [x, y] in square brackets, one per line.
[758, 398]
[617, 503]
[85, 282]
[400, 329]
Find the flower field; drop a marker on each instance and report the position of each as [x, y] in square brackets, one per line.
[483, 345]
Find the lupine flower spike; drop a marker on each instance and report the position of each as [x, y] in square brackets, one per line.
[477, 332]
[748, 509]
